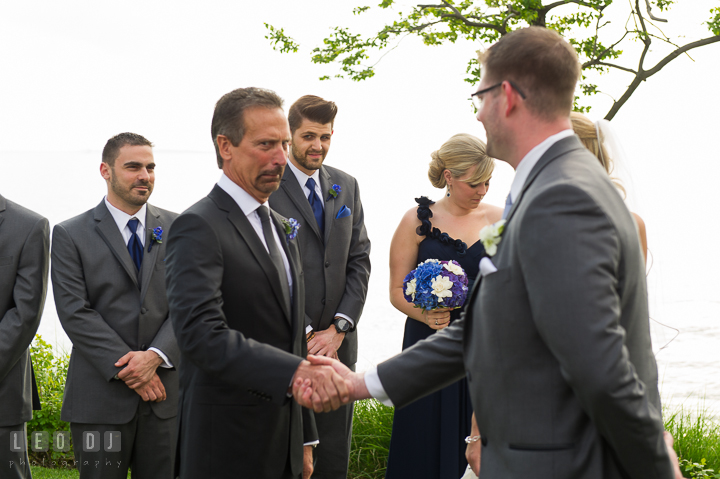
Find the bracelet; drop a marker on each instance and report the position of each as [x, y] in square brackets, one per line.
[472, 439]
[312, 335]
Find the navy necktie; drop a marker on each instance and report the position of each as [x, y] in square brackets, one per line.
[508, 205]
[316, 205]
[134, 246]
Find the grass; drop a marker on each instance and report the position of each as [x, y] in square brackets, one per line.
[697, 442]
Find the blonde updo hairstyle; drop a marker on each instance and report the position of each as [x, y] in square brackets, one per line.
[458, 155]
[588, 132]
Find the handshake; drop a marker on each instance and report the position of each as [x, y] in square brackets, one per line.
[324, 384]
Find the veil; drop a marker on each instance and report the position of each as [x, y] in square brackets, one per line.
[621, 173]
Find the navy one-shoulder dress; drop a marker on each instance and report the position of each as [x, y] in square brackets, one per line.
[428, 435]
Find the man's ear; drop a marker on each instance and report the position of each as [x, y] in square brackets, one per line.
[105, 170]
[510, 96]
[224, 144]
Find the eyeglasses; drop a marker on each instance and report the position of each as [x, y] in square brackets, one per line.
[477, 99]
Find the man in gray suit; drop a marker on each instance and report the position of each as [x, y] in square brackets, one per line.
[108, 276]
[24, 258]
[335, 252]
[555, 341]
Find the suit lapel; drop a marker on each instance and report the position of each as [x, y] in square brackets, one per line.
[330, 202]
[280, 228]
[238, 219]
[152, 221]
[2, 209]
[556, 150]
[109, 232]
[292, 188]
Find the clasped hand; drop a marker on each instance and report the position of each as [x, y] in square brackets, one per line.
[324, 384]
[139, 374]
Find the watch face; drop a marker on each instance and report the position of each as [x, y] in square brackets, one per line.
[343, 324]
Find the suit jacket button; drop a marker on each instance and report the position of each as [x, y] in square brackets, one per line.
[469, 375]
[483, 440]
[322, 301]
[142, 347]
[327, 264]
[143, 310]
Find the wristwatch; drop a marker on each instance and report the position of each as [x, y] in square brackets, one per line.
[342, 325]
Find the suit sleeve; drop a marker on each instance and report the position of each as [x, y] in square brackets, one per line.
[570, 255]
[194, 273]
[90, 334]
[165, 341]
[357, 273]
[427, 366]
[20, 323]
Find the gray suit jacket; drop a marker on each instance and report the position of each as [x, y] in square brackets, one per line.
[336, 265]
[107, 312]
[24, 258]
[240, 344]
[555, 344]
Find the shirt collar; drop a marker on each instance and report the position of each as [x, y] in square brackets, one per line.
[121, 218]
[247, 203]
[530, 160]
[302, 177]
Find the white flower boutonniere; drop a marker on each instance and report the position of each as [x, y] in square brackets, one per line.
[491, 236]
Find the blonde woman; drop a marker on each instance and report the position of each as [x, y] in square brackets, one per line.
[589, 133]
[428, 435]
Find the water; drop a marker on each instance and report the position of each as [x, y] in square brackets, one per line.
[682, 279]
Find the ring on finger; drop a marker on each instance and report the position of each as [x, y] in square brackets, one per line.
[436, 322]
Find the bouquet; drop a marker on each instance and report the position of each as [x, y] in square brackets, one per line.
[436, 284]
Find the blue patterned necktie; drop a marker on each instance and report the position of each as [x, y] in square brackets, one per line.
[134, 246]
[316, 205]
[508, 205]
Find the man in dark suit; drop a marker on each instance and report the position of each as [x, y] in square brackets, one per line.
[555, 341]
[335, 252]
[236, 294]
[24, 259]
[108, 276]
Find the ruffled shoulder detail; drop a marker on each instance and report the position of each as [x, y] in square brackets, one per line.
[424, 213]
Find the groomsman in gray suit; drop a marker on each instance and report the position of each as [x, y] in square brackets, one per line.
[335, 252]
[108, 276]
[555, 341]
[24, 259]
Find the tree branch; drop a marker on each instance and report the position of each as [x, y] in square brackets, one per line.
[672, 56]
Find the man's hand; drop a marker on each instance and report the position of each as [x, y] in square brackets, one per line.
[307, 462]
[474, 449]
[326, 343]
[673, 455]
[139, 368]
[329, 388]
[307, 395]
[153, 390]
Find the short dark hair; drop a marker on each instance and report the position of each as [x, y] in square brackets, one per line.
[313, 108]
[113, 145]
[542, 63]
[229, 116]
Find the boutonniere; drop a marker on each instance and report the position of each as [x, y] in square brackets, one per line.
[334, 191]
[155, 237]
[491, 236]
[291, 228]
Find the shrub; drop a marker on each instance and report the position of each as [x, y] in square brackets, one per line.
[50, 373]
[697, 442]
[372, 425]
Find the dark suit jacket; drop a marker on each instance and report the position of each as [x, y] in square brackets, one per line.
[24, 259]
[555, 344]
[240, 346]
[106, 312]
[336, 265]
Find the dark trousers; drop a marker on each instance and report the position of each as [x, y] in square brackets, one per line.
[14, 464]
[335, 433]
[147, 447]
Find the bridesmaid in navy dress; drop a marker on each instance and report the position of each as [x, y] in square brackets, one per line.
[428, 435]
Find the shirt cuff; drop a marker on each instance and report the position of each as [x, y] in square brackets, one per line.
[308, 328]
[166, 362]
[375, 387]
[312, 443]
[341, 315]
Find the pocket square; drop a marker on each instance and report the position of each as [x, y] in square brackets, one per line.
[487, 267]
[344, 211]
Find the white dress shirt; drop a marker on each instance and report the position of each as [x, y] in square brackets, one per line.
[372, 380]
[249, 206]
[302, 179]
[121, 220]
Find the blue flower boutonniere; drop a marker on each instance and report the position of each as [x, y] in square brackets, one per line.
[291, 228]
[155, 237]
[334, 192]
